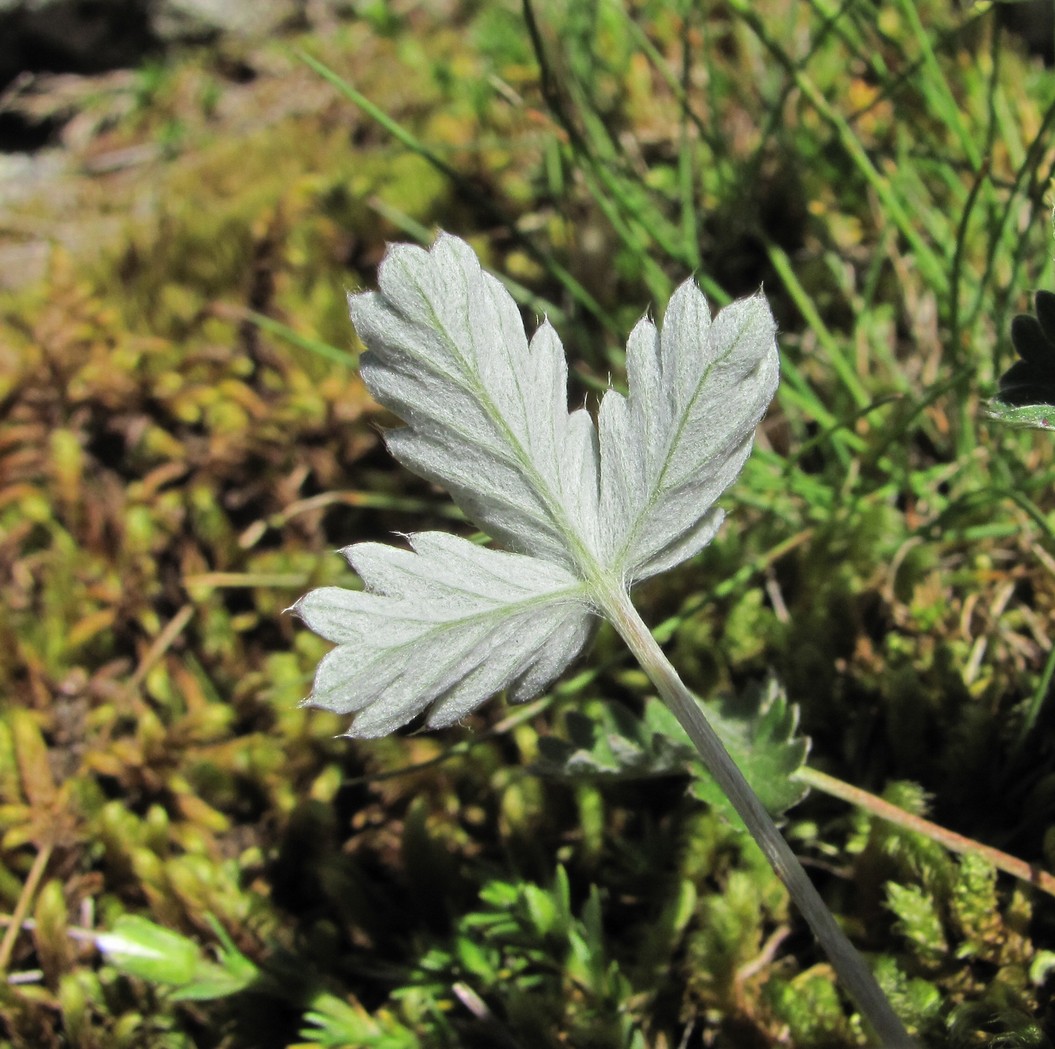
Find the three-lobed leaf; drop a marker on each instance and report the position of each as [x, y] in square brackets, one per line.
[585, 510]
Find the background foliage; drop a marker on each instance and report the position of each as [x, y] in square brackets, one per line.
[185, 442]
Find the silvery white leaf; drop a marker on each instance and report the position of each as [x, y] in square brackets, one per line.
[486, 416]
[698, 389]
[486, 413]
[444, 625]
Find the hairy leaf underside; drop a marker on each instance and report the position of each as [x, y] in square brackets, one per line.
[580, 507]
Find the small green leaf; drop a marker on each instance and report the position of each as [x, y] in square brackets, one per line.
[333, 1023]
[475, 960]
[140, 948]
[1022, 417]
[759, 730]
[612, 743]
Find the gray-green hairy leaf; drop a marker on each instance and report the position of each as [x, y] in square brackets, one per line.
[760, 730]
[611, 742]
[589, 509]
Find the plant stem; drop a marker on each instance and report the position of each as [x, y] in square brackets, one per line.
[848, 964]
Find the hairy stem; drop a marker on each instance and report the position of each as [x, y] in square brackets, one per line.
[848, 964]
